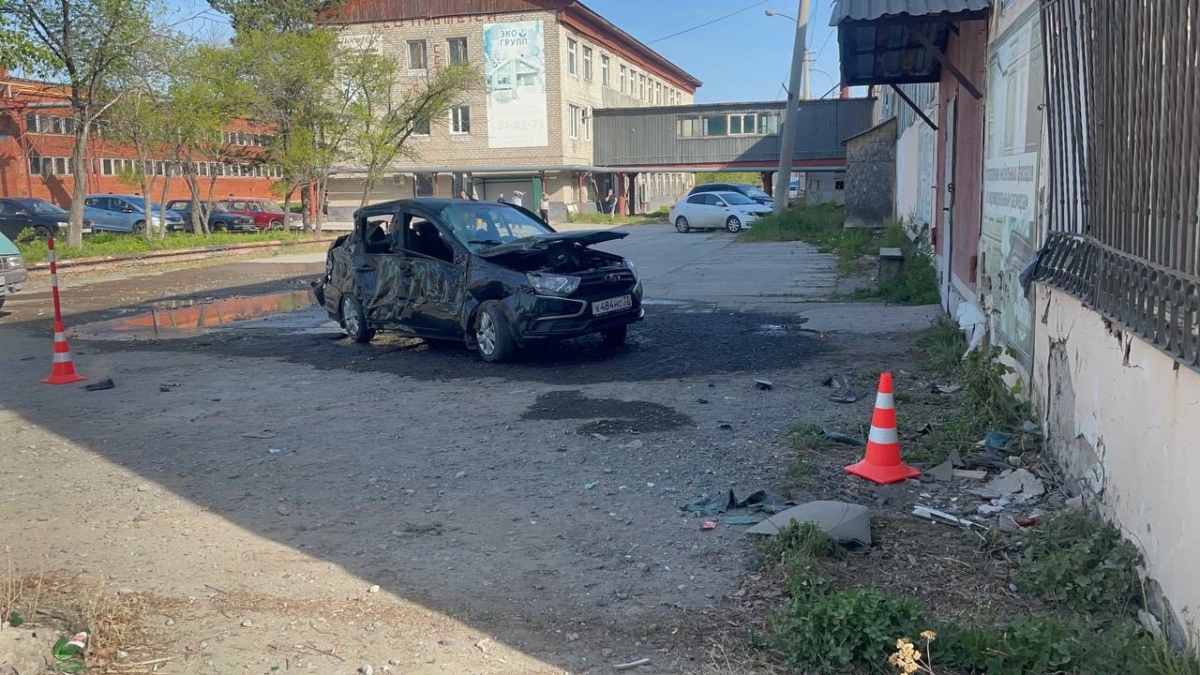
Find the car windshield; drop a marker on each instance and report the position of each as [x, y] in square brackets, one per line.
[482, 225]
[41, 206]
[736, 199]
[141, 204]
[755, 193]
[272, 206]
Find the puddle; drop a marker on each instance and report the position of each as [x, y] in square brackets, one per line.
[781, 329]
[181, 319]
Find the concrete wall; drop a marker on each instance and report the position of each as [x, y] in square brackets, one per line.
[870, 176]
[1120, 416]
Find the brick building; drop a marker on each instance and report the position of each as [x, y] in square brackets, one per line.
[37, 134]
[548, 64]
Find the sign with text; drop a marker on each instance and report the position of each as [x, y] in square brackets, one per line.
[515, 70]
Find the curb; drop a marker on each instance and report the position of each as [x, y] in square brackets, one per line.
[204, 251]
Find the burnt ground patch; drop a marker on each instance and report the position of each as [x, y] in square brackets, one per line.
[608, 415]
[670, 343]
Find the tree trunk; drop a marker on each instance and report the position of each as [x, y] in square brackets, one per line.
[199, 213]
[368, 186]
[162, 202]
[322, 204]
[306, 207]
[80, 174]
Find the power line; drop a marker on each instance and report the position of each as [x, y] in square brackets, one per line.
[708, 23]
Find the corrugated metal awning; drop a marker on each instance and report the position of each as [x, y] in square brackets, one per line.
[872, 10]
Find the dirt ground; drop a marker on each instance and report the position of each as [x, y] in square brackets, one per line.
[289, 500]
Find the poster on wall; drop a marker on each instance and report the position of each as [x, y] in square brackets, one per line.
[1010, 179]
[515, 71]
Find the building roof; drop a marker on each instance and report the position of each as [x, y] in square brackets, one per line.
[871, 10]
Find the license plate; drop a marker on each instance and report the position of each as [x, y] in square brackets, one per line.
[612, 305]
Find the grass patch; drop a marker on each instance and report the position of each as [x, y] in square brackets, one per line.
[111, 243]
[1082, 564]
[655, 217]
[942, 345]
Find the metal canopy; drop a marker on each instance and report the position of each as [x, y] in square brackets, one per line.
[894, 42]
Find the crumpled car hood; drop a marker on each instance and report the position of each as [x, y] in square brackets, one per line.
[582, 238]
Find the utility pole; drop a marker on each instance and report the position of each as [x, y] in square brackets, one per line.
[783, 178]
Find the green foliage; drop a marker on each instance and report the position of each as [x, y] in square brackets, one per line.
[942, 345]
[111, 243]
[797, 545]
[1040, 644]
[990, 400]
[831, 632]
[603, 218]
[730, 177]
[1082, 563]
[918, 285]
[820, 225]
[17, 50]
[278, 15]
[1161, 659]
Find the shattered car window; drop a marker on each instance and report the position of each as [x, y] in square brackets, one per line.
[480, 226]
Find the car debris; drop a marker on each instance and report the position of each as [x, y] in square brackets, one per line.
[764, 385]
[842, 390]
[100, 385]
[930, 513]
[708, 525]
[946, 388]
[490, 275]
[631, 665]
[843, 522]
[1016, 481]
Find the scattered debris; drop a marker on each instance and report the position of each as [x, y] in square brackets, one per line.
[263, 435]
[946, 388]
[841, 438]
[635, 444]
[707, 506]
[599, 437]
[274, 451]
[744, 520]
[247, 624]
[726, 426]
[967, 473]
[1017, 481]
[373, 589]
[1075, 503]
[764, 385]
[482, 645]
[572, 637]
[366, 669]
[842, 391]
[997, 440]
[841, 521]
[702, 401]
[101, 385]
[708, 525]
[943, 472]
[933, 514]
[631, 665]
[589, 486]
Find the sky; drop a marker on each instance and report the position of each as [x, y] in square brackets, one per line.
[745, 57]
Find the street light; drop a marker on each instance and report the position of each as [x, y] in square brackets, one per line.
[771, 12]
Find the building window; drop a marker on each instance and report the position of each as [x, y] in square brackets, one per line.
[571, 47]
[678, 98]
[642, 87]
[106, 167]
[658, 93]
[417, 55]
[421, 128]
[460, 119]
[573, 122]
[458, 50]
[839, 185]
[624, 76]
[587, 124]
[768, 123]
[202, 169]
[604, 70]
[716, 126]
[689, 127]
[587, 63]
[740, 125]
[60, 166]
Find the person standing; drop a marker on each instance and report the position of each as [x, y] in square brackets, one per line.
[500, 199]
[545, 208]
[462, 194]
[610, 204]
[518, 198]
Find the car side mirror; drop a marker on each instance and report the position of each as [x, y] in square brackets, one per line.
[721, 203]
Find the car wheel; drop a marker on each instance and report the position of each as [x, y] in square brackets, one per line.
[275, 225]
[493, 334]
[733, 224]
[615, 337]
[139, 227]
[682, 225]
[354, 321]
[41, 232]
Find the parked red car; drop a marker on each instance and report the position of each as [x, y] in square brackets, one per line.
[267, 214]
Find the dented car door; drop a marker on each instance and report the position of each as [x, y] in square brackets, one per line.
[436, 269]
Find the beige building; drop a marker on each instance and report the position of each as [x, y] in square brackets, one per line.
[547, 66]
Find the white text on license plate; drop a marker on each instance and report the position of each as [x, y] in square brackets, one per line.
[612, 305]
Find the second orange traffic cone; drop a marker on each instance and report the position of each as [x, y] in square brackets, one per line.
[882, 462]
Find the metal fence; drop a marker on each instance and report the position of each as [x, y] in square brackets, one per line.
[1124, 180]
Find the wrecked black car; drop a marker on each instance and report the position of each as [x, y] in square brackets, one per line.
[490, 274]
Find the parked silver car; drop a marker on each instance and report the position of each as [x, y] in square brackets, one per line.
[125, 213]
[715, 210]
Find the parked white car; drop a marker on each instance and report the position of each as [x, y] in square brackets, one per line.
[715, 210]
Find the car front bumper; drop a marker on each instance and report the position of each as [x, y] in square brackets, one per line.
[12, 281]
[554, 318]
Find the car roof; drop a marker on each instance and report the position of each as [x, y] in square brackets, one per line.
[117, 196]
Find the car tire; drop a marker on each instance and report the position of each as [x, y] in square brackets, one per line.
[733, 224]
[614, 338]
[493, 333]
[681, 224]
[354, 320]
[41, 232]
[275, 225]
[139, 227]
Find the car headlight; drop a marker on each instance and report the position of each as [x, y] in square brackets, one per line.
[63, 224]
[553, 284]
[12, 262]
[630, 266]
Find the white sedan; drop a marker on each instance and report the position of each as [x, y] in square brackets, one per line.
[716, 210]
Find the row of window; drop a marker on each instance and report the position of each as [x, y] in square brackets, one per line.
[247, 139]
[61, 125]
[736, 124]
[61, 166]
[635, 84]
[579, 119]
[418, 52]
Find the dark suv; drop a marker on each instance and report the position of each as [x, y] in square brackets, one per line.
[219, 217]
[491, 275]
[44, 218]
[741, 188]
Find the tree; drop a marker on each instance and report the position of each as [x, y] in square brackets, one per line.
[380, 119]
[248, 16]
[16, 49]
[85, 43]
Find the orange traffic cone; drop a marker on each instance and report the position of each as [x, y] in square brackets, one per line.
[63, 370]
[882, 463]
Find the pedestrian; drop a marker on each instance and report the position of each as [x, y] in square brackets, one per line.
[474, 194]
[462, 194]
[610, 204]
[517, 198]
[544, 211]
[500, 199]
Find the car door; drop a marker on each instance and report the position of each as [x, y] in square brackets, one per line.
[692, 208]
[100, 211]
[380, 274]
[436, 265]
[714, 211]
[13, 218]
